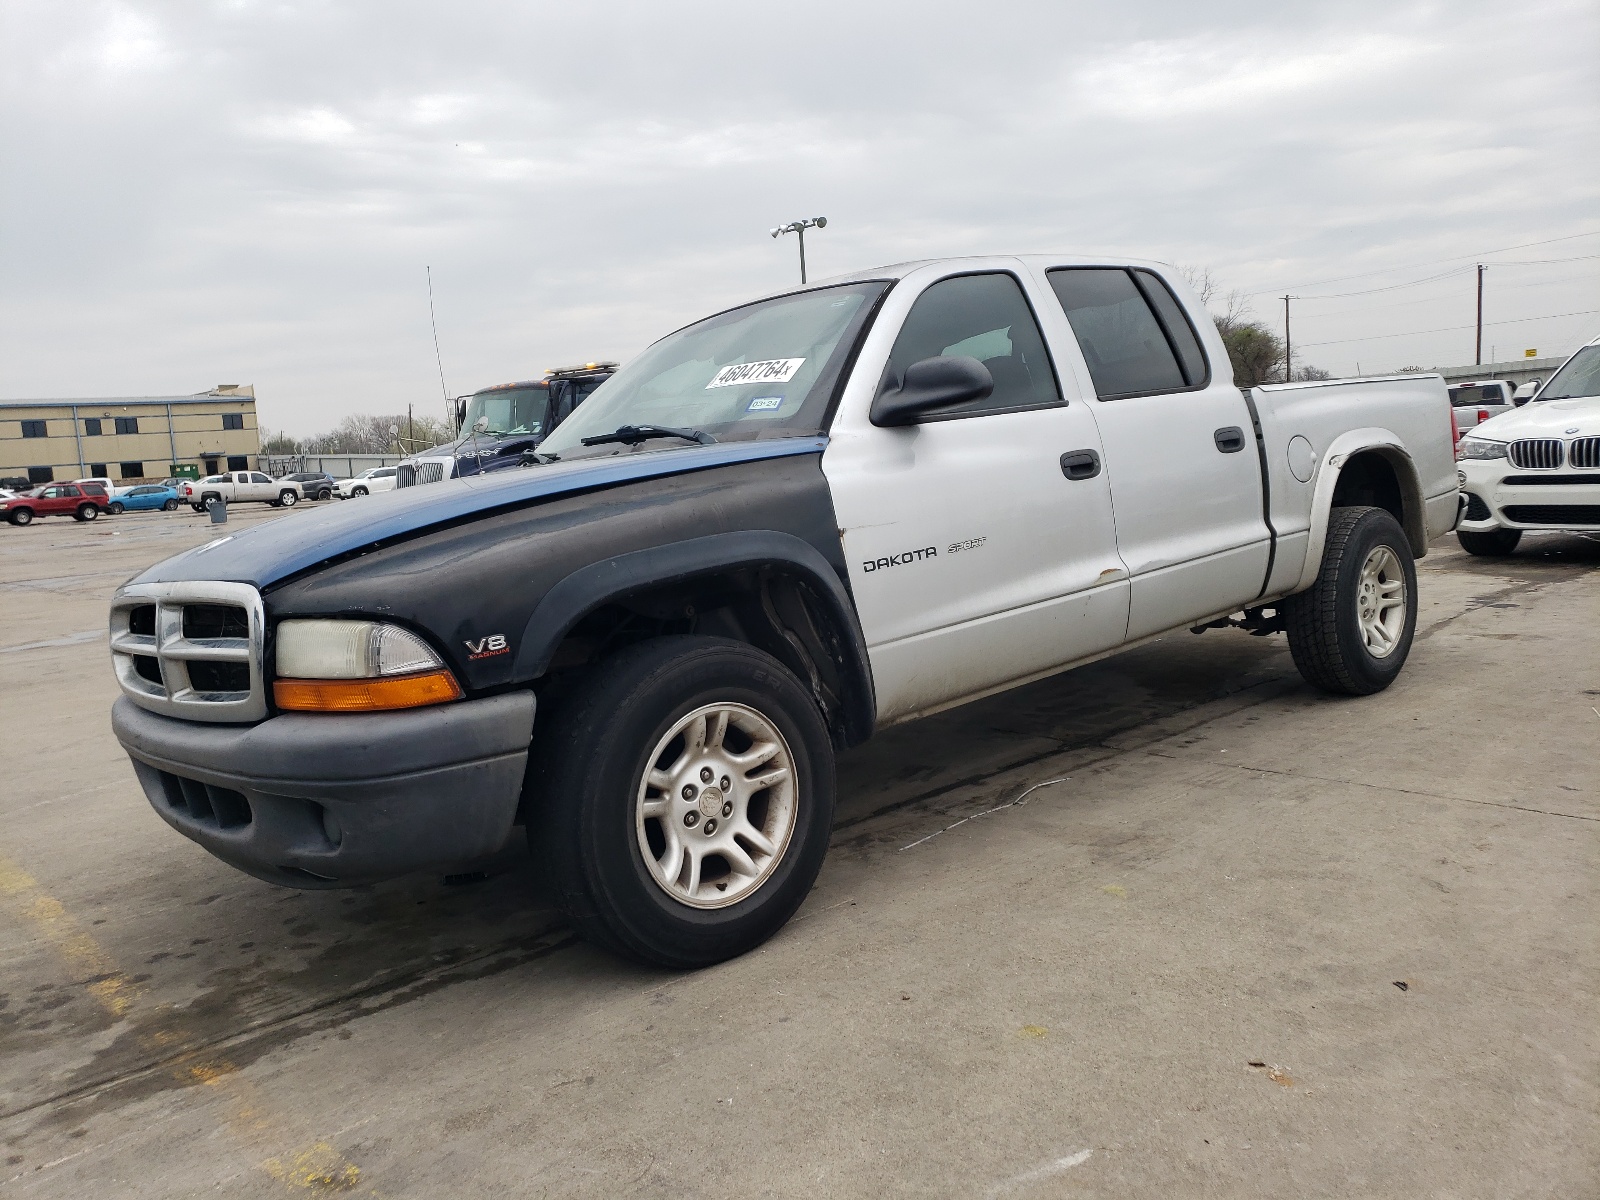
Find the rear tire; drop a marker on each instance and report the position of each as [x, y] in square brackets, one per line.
[1495, 543]
[1351, 631]
[170, 506]
[199, 508]
[87, 512]
[637, 867]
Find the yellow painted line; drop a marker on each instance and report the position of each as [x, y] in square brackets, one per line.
[111, 987]
[318, 1167]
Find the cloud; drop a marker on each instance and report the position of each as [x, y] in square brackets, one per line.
[252, 191]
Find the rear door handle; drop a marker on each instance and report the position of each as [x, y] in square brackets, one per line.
[1229, 439]
[1080, 464]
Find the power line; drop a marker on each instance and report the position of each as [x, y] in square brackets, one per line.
[435, 324]
[1453, 328]
[1430, 261]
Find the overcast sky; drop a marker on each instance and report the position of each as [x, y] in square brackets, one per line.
[242, 192]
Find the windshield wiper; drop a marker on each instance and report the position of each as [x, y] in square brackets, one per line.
[632, 435]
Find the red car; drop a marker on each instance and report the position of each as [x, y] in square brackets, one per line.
[81, 501]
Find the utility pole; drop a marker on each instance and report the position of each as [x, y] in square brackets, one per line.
[800, 227]
[1477, 357]
[1288, 353]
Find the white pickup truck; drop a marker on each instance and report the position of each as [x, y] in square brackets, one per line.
[234, 486]
[774, 532]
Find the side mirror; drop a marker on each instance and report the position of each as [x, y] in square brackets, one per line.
[480, 425]
[930, 385]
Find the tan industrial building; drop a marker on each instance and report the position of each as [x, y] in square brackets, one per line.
[132, 438]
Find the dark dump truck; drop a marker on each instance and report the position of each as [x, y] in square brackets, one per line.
[774, 532]
[498, 425]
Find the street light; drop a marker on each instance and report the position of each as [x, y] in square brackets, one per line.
[800, 228]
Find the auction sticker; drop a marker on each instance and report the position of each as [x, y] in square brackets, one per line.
[764, 404]
[772, 370]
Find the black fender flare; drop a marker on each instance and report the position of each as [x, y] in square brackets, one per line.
[615, 578]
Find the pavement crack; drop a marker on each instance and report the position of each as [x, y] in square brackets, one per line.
[1065, 746]
[252, 1042]
[1399, 791]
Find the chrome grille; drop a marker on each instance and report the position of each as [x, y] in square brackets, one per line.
[191, 650]
[412, 474]
[1585, 452]
[1536, 454]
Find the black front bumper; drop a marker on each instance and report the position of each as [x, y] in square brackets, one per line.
[335, 800]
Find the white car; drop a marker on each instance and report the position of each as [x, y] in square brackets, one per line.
[373, 479]
[1535, 467]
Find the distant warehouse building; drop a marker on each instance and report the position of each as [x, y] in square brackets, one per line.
[135, 437]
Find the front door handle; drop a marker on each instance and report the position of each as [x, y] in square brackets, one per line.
[1229, 439]
[1080, 464]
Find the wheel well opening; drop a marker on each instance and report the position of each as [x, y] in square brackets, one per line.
[774, 610]
[1370, 479]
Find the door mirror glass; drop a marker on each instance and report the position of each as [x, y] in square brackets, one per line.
[931, 386]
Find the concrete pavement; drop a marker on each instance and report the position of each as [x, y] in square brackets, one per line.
[1171, 924]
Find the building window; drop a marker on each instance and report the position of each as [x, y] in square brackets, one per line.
[34, 429]
[133, 470]
[91, 427]
[211, 466]
[98, 471]
[41, 475]
[233, 420]
[238, 462]
[127, 424]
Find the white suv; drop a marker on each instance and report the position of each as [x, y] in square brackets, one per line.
[1535, 467]
[373, 479]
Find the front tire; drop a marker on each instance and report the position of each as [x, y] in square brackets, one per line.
[1351, 631]
[683, 799]
[360, 491]
[115, 508]
[288, 499]
[20, 516]
[1494, 543]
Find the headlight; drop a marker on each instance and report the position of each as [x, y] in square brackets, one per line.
[357, 666]
[1471, 447]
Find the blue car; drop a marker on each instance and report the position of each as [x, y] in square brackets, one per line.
[145, 496]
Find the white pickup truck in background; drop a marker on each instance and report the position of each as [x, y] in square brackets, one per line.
[234, 486]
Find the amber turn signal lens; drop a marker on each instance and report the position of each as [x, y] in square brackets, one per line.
[366, 695]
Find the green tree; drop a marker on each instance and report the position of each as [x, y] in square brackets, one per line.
[1256, 353]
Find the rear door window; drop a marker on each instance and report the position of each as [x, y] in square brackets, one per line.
[1134, 335]
[985, 317]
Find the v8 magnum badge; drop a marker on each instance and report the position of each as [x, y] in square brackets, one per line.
[487, 647]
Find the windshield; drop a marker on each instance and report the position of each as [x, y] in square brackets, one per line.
[1579, 377]
[764, 370]
[510, 410]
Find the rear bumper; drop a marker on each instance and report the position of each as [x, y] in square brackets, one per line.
[331, 801]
